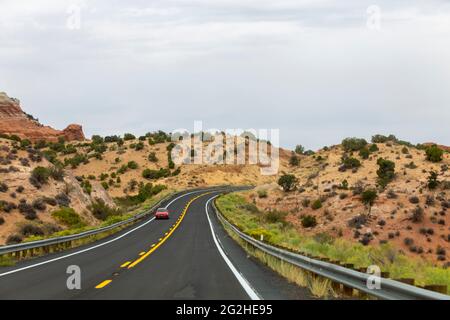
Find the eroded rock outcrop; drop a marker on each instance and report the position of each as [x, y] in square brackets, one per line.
[13, 121]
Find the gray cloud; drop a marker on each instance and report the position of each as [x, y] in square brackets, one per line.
[311, 68]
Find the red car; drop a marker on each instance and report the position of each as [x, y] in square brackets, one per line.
[162, 213]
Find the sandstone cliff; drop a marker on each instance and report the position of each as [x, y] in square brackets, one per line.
[13, 121]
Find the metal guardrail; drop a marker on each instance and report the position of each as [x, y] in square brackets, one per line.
[64, 239]
[389, 289]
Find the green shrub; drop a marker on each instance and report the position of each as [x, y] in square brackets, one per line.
[86, 186]
[57, 173]
[262, 193]
[25, 143]
[69, 149]
[68, 217]
[276, 217]
[128, 136]
[102, 211]
[364, 153]
[30, 229]
[139, 146]
[157, 137]
[299, 149]
[122, 169]
[386, 172]
[433, 180]
[309, 221]
[50, 155]
[293, 161]
[40, 144]
[152, 157]
[287, 182]
[3, 187]
[132, 165]
[176, 172]
[14, 239]
[434, 153]
[317, 204]
[353, 144]
[155, 174]
[39, 176]
[109, 139]
[96, 139]
[103, 176]
[350, 162]
[411, 165]
[76, 160]
[373, 148]
[369, 196]
[379, 138]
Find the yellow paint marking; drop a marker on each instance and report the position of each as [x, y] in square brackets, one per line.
[166, 233]
[125, 264]
[153, 245]
[162, 240]
[142, 253]
[103, 284]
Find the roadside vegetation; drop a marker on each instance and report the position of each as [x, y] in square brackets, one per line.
[279, 232]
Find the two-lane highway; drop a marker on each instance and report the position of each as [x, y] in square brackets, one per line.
[188, 256]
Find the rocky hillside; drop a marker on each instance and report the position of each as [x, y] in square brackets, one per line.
[384, 192]
[13, 121]
[31, 189]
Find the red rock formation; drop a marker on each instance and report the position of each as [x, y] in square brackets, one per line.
[14, 121]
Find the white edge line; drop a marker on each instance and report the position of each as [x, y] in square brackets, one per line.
[94, 247]
[243, 282]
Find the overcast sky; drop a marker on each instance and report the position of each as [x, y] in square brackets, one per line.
[318, 70]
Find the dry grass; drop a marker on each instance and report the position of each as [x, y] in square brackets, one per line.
[318, 286]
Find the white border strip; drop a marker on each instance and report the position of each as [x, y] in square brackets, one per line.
[243, 282]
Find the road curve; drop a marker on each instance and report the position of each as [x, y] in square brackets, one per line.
[189, 256]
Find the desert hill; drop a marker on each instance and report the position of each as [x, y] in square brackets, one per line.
[328, 198]
[31, 189]
[386, 191]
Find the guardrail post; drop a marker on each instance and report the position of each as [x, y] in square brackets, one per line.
[336, 286]
[409, 281]
[348, 291]
[349, 265]
[437, 288]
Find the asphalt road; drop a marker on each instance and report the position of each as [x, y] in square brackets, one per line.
[189, 256]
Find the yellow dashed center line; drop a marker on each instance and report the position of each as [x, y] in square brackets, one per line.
[103, 284]
[154, 246]
[162, 240]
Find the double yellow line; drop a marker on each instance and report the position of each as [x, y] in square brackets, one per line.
[144, 255]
